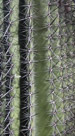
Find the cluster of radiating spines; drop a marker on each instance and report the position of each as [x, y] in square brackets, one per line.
[29, 71]
[15, 50]
[25, 51]
[55, 79]
[69, 101]
[9, 85]
[0, 61]
[62, 72]
[5, 77]
[27, 96]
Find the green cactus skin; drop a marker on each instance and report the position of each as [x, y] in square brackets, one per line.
[37, 65]
[15, 104]
[56, 84]
[9, 43]
[40, 125]
[47, 66]
[30, 67]
[63, 67]
[73, 68]
[70, 70]
[5, 73]
[64, 81]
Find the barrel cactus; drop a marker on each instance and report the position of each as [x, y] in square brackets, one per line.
[37, 74]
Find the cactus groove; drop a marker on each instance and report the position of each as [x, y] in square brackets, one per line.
[7, 66]
[24, 80]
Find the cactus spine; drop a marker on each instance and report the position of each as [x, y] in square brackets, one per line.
[70, 71]
[10, 69]
[1, 72]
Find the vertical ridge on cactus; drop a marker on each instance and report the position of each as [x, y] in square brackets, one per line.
[15, 94]
[10, 93]
[70, 71]
[30, 68]
[41, 70]
[56, 93]
[7, 64]
[63, 67]
[73, 65]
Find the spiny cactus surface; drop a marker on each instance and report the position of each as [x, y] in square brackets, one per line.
[37, 74]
